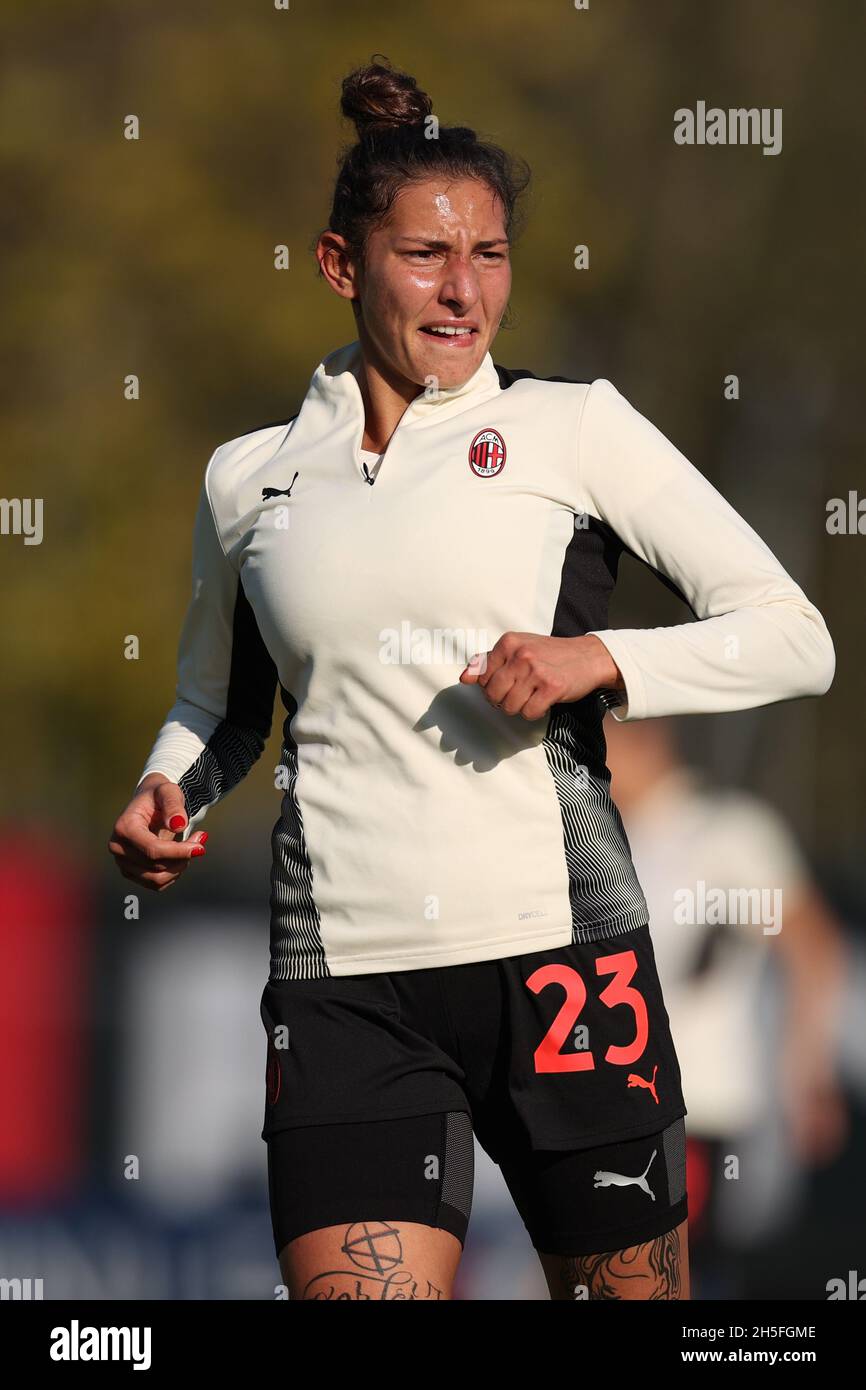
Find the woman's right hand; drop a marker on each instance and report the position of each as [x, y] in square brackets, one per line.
[143, 840]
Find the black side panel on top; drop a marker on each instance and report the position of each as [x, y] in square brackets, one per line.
[239, 739]
[297, 952]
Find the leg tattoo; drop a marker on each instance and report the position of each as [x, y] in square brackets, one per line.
[652, 1270]
[374, 1269]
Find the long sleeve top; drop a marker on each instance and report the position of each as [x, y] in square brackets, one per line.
[418, 824]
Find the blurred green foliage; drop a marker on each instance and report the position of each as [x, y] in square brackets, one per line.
[155, 257]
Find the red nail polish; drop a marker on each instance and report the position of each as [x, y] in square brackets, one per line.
[199, 849]
[177, 822]
[204, 836]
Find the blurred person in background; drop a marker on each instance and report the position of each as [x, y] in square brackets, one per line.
[743, 1063]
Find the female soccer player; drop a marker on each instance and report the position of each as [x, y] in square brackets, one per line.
[422, 558]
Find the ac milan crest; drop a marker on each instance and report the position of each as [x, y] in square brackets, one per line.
[487, 454]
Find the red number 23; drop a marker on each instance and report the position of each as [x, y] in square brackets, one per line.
[622, 966]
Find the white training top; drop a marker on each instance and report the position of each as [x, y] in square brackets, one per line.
[420, 826]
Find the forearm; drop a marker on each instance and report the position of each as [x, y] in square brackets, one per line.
[812, 955]
[752, 656]
[757, 639]
[609, 676]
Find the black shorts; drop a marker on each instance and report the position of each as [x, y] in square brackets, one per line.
[560, 1061]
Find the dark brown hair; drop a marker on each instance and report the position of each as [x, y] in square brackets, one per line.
[389, 111]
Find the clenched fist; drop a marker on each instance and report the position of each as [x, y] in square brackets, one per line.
[526, 673]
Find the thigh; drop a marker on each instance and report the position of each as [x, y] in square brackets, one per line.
[372, 1210]
[379, 1260]
[608, 1220]
[651, 1270]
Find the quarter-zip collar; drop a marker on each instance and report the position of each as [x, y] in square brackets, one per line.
[334, 397]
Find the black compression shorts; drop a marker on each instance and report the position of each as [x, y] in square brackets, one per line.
[561, 1061]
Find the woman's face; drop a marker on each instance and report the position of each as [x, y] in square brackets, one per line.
[441, 257]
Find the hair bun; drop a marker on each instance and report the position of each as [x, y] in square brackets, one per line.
[376, 97]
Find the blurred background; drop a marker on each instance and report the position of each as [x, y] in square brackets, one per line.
[131, 1078]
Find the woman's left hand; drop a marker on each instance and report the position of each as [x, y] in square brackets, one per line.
[526, 673]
